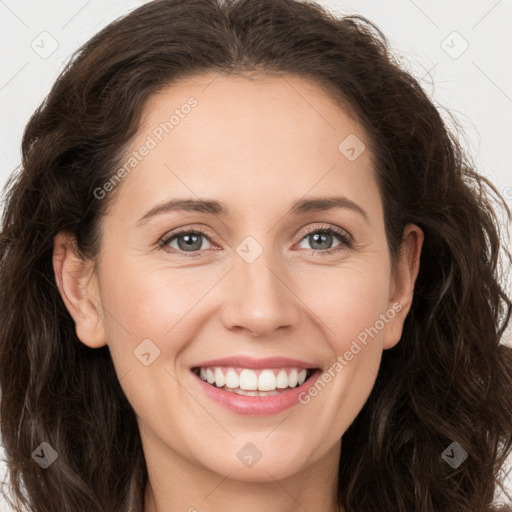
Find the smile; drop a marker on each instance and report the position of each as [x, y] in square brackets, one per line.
[249, 382]
[258, 387]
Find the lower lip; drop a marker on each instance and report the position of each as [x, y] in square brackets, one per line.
[256, 405]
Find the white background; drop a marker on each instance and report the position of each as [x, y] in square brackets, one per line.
[476, 86]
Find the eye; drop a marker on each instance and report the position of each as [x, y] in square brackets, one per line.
[187, 240]
[321, 239]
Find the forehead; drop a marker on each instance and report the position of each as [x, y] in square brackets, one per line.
[256, 106]
[246, 139]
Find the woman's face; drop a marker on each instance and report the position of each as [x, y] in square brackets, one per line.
[263, 279]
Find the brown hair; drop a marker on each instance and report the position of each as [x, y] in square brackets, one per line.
[447, 380]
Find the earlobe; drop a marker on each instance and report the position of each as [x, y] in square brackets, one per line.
[77, 283]
[403, 280]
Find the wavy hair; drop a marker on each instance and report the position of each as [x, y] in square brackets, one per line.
[448, 379]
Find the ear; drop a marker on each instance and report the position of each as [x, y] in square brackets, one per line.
[78, 286]
[402, 283]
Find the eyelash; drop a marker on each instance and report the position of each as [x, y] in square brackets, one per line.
[345, 239]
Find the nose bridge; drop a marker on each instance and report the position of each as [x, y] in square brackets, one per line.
[261, 300]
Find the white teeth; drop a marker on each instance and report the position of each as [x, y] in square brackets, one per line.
[281, 380]
[232, 379]
[250, 382]
[210, 377]
[266, 381]
[292, 378]
[255, 393]
[220, 380]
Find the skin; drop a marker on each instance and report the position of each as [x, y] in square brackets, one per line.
[256, 146]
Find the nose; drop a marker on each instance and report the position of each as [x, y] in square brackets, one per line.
[260, 298]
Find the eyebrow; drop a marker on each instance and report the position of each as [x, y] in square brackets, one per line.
[212, 207]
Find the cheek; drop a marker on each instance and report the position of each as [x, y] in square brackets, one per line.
[152, 302]
[147, 298]
[347, 301]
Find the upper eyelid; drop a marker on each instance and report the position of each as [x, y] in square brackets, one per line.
[180, 231]
[306, 232]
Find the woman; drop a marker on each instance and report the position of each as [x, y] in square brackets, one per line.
[172, 336]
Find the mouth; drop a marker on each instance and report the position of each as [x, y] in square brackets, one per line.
[254, 382]
[256, 387]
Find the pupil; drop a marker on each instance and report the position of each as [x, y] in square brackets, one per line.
[190, 240]
[324, 236]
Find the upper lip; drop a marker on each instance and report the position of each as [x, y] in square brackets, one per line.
[249, 362]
